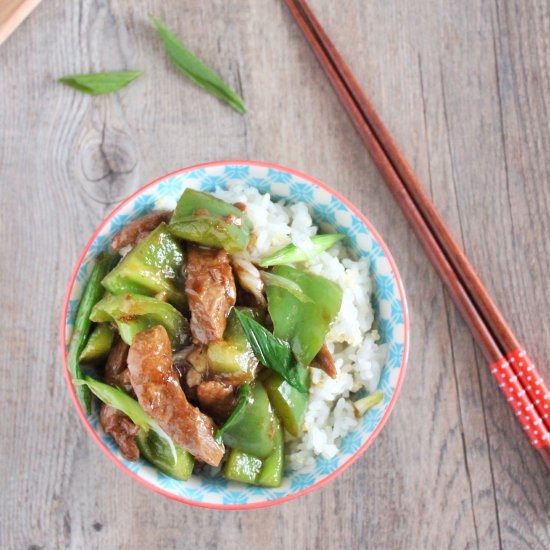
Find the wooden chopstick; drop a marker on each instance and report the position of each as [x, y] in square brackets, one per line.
[515, 373]
[12, 14]
[510, 347]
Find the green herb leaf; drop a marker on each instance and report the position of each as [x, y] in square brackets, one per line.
[121, 401]
[100, 83]
[291, 253]
[361, 406]
[242, 398]
[272, 352]
[290, 286]
[196, 70]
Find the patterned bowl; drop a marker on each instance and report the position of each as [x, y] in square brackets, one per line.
[389, 303]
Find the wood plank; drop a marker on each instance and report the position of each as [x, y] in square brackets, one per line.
[465, 88]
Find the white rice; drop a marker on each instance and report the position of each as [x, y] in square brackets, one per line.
[351, 339]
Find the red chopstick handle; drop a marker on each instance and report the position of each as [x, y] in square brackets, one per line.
[532, 381]
[518, 397]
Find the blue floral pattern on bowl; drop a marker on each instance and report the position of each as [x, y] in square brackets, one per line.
[388, 301]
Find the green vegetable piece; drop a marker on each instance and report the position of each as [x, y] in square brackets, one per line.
[242, 467]
[271, 473]
[155, 444]
[290, 286]
[92, 294]
[133, 313]
[243, 399]
[291, 253]
[304, 325]
[272, 352]
[196, 70]
[246, 468]
[100, 83]
[207, 220]
[99, 343]
[155, 450]
[361, 406]
[154, 266]
[254, 429]
[289, 404]
[233, 355]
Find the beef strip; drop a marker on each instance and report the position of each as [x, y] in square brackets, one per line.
[122, 429]
[155, 381]
[324, 361]
[216, 399]
[116, 371]
[211, 292]
[138, 229]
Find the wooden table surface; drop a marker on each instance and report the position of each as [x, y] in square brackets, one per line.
[465, 88]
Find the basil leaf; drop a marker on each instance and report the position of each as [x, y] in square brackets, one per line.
[272, 352]
[290, 286]
[291, 253]
[100, 83]
[196, 70]
[121, 401]
[242, 399]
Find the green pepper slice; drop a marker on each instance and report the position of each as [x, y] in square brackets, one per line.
[289, 404]
[99, 343]
[303, 324]
[156, 451]
[154, 266]
[254, 430]
[233, 356]
[133, 313]
[247, 468]
[207, 220]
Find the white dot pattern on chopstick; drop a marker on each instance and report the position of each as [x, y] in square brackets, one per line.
[522, 400]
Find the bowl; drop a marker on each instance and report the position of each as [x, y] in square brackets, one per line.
[389, 302]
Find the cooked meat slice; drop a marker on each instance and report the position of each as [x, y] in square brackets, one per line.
[138, 229]
[155, 381]
[122, 429]
[210, 289]
[216, 399]
[116, 372]
[324, 361]
[249, 277]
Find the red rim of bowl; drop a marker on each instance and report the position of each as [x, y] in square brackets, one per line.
[361, 449]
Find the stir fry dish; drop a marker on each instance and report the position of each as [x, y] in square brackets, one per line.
[197, 355]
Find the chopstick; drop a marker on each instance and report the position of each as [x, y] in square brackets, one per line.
[12, 14]
[514, 371]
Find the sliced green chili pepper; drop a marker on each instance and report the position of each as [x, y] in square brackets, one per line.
[243, 398]
[304, 325]
[242, 467]
[92, 294]
[133, 313]
[155, 450]
[291, 253]
[272, 352]
[247, 468]
[233, 355]
[154, 266]
[99, 343]
[272, 468]
[254, 429]
[289, 404]
[207, 220]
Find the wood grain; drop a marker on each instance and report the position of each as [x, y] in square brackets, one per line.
[465, 89]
